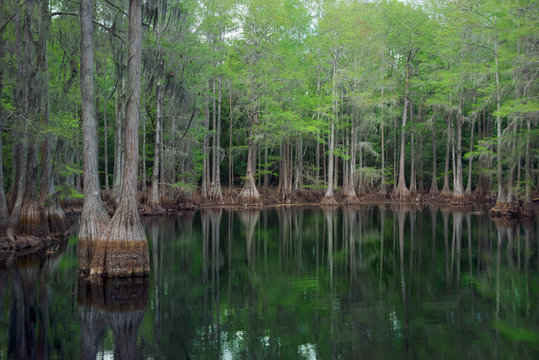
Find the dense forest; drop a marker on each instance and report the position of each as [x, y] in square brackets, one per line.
[431, 100]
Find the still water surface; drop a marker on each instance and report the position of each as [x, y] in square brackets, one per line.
[297, 283]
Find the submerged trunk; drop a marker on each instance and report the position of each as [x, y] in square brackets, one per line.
[122, 250]
[94, 218]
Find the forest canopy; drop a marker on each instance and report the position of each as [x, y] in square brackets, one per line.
[425, 99]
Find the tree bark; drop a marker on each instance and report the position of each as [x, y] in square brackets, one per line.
[94, 218]
[106, 152]
[501, 198]
[205, 152]
[413, 186]
[402, 192]
[328, 196]
[382, 144]
[216, 184]
[122, 251]
[458, 190]
[155, 199]
[434, 185]
[249, 193]
[445, 189]
[468, 191]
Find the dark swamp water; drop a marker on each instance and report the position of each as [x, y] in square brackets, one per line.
[296, 283]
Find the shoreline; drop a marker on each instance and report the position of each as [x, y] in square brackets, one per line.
[28, 244]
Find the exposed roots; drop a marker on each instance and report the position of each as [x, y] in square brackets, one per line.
[249, 195]
[122, 250]
[527, 211]
[352, 199]
[328, 200]
[401, 193]
[216, 193]
[507, 210]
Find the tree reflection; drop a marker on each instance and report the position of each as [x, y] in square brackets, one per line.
[118, 303]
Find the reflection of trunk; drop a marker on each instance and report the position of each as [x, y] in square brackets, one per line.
[121, 303]
[123, 250]
[94, 218]
[92, 321]
[249, 219]
[457, 226]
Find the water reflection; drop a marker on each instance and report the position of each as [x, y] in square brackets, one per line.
[372, 282]
[30, 298]
[117, 303]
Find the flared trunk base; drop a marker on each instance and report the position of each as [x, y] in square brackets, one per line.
[328, 200]
[507, 210]
[120, 259]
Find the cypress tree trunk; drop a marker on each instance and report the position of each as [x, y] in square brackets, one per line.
[402, 192]
[106, 152]
[4, 213]
[468, 191]
[230, 161]
[53, 212]
[216, 185]
[434, 185]
[205, 152]
[328, 196]
[155, 199]
[382, 144]
[445, 189]
[501, 198]
[249, 193]
[94, 218]
[458, 190]
[527, 208]
[413, 187]
[122, 251]
[118, 141]
[298, 182]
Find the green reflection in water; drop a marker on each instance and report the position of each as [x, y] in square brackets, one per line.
[373, 283]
